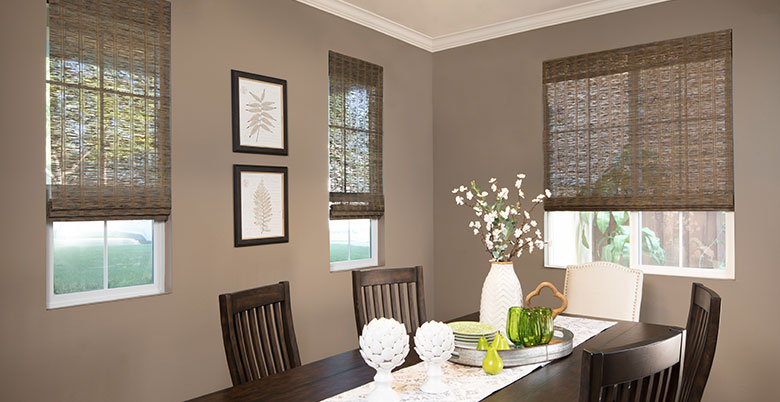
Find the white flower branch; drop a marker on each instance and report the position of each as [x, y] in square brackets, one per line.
[507, 226]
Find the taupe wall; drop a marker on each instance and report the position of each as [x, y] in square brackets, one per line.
[476, 109]
[488, 122]
[169, 347]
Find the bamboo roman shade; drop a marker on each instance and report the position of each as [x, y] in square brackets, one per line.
[646, 127]
[109, 105]
[355, 138]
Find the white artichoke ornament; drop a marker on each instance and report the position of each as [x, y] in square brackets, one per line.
[434, 343]
[384, 345]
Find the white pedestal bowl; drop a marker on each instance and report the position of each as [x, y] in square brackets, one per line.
[434, 343]
[384, 345]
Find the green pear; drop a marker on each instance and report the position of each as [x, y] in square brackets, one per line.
[492, 364]
[499, 342]
[482, 344]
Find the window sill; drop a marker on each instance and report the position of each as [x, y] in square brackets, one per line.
[101, 296]
[353, 265]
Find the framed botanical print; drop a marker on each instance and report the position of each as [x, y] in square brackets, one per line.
[259, 106]
[260, 213]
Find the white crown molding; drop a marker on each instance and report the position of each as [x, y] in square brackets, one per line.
[376, 22]
[388, 27]
[563, 15]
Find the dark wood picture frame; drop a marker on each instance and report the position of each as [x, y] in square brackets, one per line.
[236, 111]
[239, 240]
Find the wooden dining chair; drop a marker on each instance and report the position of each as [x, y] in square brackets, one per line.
[604, 289]
[701, 338]
[390, 293]
[257, 329]
[639, 373]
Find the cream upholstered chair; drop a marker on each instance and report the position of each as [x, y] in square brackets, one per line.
[604, 289]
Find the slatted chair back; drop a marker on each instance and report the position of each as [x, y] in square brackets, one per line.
[390, 293]
[258, 333]
[701, 338]
[639, 373]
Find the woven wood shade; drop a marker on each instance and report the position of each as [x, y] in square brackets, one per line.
[109, 107]
[355, 138]
[646, 127]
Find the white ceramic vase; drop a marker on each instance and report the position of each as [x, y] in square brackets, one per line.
[383, 345]
[434, 343]
[500, 291]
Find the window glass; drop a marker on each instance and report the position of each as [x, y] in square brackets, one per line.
[78, 256]
[360, 239]
[570, 236]
[611, 236]
[353, 240]
[694, 239]
[339, 240]
[664, 248]
[130, 253]
[689, 243]
[704, 240]
[104, 257]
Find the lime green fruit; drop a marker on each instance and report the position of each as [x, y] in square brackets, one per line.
[503, 344]
[500, 343]
[482, 344]
[492, 364]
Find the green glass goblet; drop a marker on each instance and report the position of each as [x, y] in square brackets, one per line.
[544, 317]
[513, 325]
[530, 331]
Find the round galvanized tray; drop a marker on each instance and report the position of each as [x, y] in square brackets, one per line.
[559, 346]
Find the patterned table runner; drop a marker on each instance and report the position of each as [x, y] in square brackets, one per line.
[470, 384]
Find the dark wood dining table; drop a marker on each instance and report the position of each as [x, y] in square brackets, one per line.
[558, 381]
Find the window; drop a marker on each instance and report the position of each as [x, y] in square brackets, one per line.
[355, 161]
[691, 243]
[108, 149]
[104, 260]
[638, 149]
[353, 243]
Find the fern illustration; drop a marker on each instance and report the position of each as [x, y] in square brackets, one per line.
[260, 114]
[263, 208]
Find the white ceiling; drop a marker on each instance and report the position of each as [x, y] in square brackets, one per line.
[444, 17]
[442, 24]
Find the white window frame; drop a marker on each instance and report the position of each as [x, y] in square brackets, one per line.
[364, 263]
[636, 251]
[55, 301]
